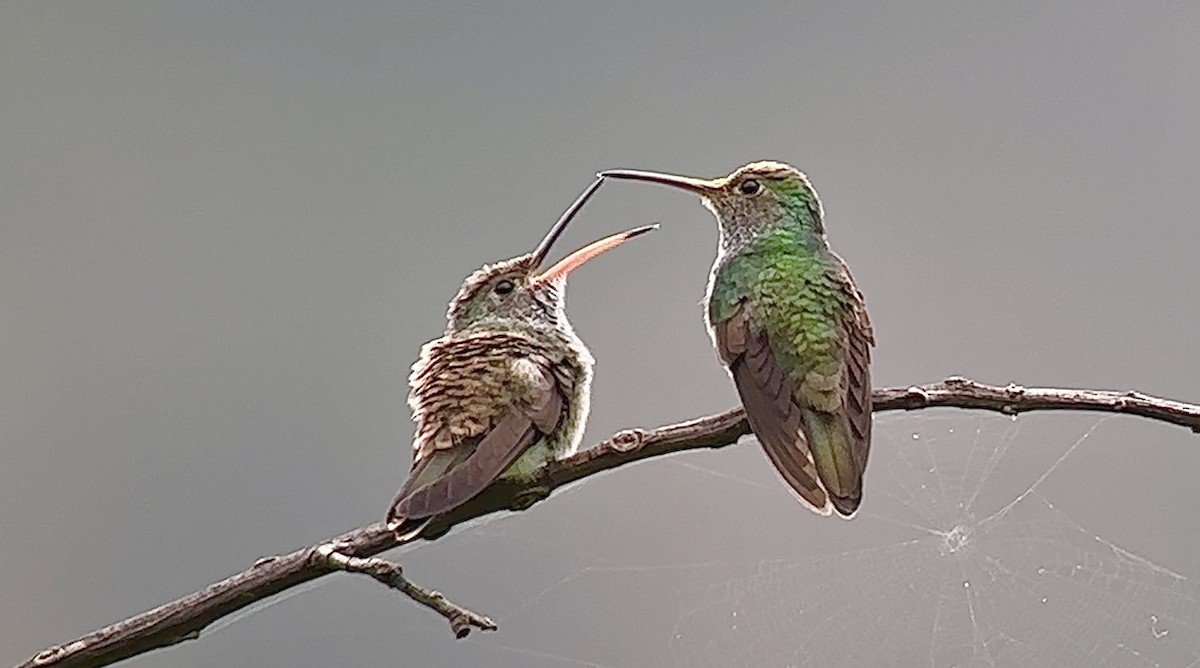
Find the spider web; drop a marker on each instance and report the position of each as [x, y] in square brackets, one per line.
[988, 576]
[959, 559]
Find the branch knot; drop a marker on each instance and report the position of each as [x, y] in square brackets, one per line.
[627, 440]
[49, 654]
[918, 393]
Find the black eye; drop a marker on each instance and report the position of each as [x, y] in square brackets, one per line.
[750, 187]
[504, 287]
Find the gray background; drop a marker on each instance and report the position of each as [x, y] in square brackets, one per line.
[226, 228]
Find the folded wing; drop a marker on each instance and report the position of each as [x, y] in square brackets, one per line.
[479, 405]
[767, 395]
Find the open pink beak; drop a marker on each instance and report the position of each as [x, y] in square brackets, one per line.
[580, 257]
[577, 259]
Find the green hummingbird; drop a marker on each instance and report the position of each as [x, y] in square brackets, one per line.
[506, 389]
[791, 327]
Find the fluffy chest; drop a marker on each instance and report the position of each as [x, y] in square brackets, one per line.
[466, 381]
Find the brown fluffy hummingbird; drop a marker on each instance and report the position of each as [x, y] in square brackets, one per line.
[506, 389]
[791, 327]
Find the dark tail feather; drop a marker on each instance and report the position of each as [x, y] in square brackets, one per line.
[845, 505]
[831, 442]
[425, 471]
[407, 529]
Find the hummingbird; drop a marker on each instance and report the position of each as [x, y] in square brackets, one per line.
[506, 389]
[790, 326]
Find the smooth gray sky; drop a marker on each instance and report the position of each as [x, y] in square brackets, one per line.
[226, 228]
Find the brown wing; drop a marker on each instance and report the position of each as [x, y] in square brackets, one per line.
[489, 457]
[859, 336]
[766, 394]
[479, 407]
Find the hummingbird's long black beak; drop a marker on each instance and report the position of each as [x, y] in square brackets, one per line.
[702, 187]
[577, 259]
[543, 248]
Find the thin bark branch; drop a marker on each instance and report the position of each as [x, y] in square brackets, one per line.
[185, 618]
[391, 575]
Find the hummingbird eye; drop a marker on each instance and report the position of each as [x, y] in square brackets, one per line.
[750, 187]
[505, 287]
